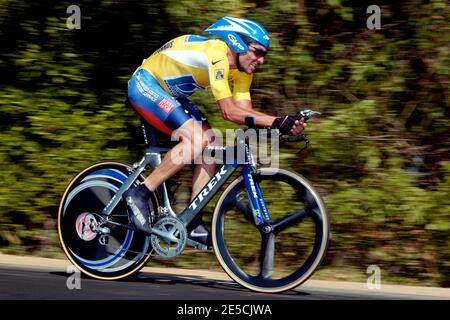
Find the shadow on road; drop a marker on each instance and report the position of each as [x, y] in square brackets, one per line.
[168, 279]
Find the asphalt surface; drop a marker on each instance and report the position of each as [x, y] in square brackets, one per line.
[31, 278]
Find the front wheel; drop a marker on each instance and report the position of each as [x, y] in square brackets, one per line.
[283, 257]
[123, 251]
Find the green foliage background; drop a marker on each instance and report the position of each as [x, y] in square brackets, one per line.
[379, 154]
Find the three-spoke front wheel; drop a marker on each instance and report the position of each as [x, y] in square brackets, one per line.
[283, 257]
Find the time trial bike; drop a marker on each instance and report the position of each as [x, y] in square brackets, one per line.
[270, 227]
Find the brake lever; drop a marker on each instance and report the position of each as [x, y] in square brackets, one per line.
[308, 114]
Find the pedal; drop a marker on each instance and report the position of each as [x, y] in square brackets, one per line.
[197, 245]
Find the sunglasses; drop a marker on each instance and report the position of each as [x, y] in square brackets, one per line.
[258, 52]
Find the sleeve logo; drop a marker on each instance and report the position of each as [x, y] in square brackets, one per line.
[166, 105]
[219, 74]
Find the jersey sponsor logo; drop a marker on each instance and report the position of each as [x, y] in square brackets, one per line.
[146, 91]
[166, 105]
[217, 61]
[218, 75]
[168, 45]
[235, 42]
[182, 86]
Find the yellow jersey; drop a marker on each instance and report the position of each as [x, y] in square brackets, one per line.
[190, 62]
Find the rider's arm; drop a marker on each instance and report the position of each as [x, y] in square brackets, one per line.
[237, 105]
[236, 112]
[244, 104]
[234, 106]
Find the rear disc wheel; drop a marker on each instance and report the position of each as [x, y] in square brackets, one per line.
[118, 252]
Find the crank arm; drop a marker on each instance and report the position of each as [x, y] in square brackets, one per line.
[165, 235]
[197, 245]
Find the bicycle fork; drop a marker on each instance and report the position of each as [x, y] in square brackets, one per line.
[258, 205]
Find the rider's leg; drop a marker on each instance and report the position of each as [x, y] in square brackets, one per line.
[201, 175]
[205, 168]
[193, 141]
[203, 171]
[171, 116]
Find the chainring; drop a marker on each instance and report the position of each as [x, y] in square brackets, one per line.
[165, 248]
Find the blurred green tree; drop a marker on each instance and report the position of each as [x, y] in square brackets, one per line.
[379, 154]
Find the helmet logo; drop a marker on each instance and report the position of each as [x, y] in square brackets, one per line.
[234, 42]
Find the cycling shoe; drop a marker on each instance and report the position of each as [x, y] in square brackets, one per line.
[201, 234]
[140, 208]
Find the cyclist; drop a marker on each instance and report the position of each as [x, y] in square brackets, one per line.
[159, 88]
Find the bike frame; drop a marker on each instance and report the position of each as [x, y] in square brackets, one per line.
[152, 157]
[222, 175]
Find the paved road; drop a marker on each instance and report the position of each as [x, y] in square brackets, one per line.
[27, 278]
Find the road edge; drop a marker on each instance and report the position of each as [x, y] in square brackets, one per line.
[31, 262]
